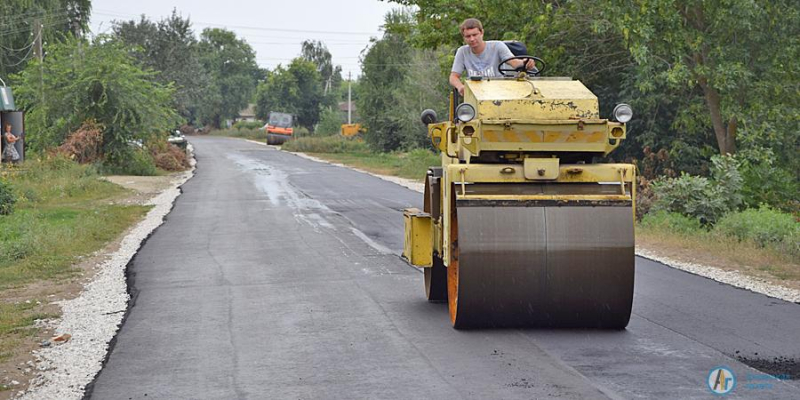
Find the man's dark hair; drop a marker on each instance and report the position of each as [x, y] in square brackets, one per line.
[471, 23]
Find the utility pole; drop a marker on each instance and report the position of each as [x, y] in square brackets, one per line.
[39, 53]
[349, 98]
[37, 44]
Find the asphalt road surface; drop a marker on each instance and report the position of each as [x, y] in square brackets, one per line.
[276, 277]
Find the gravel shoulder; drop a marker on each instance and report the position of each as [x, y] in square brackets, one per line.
[91, 307]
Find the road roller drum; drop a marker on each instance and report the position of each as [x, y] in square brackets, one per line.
[564, 266]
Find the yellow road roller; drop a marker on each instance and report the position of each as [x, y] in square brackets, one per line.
[522, 225]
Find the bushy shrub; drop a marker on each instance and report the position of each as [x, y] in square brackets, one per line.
[84, 145]
[672, 222]
[330, 123]
[300, 131]
[644, 197]
[173, 159]
[699, 197]
[768, 182]
[7, 198]
[728, 180]
[764, 226]
[167, 156]
[132, 162]
[692, 196]
[416, 162]
[188, 129]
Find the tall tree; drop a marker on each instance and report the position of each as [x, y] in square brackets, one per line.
[18, 30]
[170, 48]
[98, 81]
[279, 93]
[296, 90]
[316, 52]
[231, 64]
[384, 68]
[739, 53]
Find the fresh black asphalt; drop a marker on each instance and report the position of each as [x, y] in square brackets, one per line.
[277, 277]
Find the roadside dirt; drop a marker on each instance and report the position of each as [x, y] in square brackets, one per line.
[725, 262]
[20, 367]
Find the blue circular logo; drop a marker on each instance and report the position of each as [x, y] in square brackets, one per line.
[721, 380]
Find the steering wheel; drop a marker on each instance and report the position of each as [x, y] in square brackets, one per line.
[540, 66]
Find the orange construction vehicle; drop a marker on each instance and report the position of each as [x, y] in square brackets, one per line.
[279, 128]
[351, 130]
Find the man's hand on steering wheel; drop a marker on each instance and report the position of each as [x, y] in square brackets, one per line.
[523, 63]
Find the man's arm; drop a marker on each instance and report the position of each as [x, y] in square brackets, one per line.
[505, 54]
[455, 81]
[455, 71]
[518, 63]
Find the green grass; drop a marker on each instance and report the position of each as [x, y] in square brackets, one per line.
[683, 237]
[327, 144]
[766, 227]
[16, 324]
[44, 242]
[244, 133]
[405, 165]
[63, 211]
[411, 165]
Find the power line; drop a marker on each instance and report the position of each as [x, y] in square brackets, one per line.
[42, 14]
[299, 43]
[113, 14]
[51, 20]
[33, 14]
[17, 50]
[30, 51]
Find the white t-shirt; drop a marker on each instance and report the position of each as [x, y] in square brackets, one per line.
[484, 64]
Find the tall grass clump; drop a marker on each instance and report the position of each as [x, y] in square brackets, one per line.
[244, 133]
[64, 210]
[415, 163]
[765, 227]
[672, 222]
[134, 161]
[699, 197]
[57, 178]
[326, 144]
[249, 125]
[7, 198]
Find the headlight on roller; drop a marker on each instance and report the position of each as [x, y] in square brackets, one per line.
[623, 113]
[465, 112]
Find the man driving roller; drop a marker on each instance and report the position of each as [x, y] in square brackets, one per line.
[479, 57]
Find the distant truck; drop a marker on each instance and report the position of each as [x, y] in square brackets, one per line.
[279, 127]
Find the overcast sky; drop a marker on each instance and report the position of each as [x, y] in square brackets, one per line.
[273, 28]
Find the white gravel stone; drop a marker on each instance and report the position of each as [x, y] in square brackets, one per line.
[733, 278]
[94, 317]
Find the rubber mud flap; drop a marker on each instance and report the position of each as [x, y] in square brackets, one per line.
[553, 266]
[436, 281]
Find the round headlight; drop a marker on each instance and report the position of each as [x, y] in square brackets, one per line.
[623, 113]
[465, 112]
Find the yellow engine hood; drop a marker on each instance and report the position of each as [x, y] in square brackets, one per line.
[534, 99]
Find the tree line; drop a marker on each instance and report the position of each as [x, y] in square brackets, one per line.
[705, 78]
